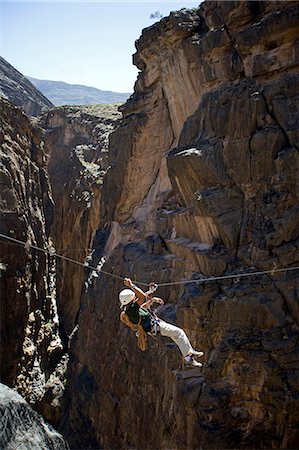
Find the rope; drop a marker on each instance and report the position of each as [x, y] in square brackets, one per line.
[225, 277]
[58, 256]
[197, 280]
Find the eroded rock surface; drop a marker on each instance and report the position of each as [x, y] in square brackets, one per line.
[20, 91]
[200, 180]
[203, 181]
[51, 175]
[32, 358]
[76, 143]
[21, 427]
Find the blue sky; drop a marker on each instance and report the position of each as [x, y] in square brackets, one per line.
[88, 43]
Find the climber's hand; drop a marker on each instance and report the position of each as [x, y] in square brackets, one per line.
[128, 282]
[152, 288]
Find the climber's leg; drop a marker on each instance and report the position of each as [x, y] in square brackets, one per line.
[177, 335]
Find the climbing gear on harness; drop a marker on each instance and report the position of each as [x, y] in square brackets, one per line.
[135, 312]
[126, 296]
[147, 323]
[155, 326]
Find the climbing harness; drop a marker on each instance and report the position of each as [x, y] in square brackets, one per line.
[197, 280]
[139, 331]
[155, 327]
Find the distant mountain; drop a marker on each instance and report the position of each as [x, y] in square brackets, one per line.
[20, 91]
[61, 93]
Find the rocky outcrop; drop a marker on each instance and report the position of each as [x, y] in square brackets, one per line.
[202, 182]
[200, 179]
[40, 294]
[21, 427]
[76, 143]
[32, 357]
[20, 91]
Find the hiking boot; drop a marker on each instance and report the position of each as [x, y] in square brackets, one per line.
[189, 361]
[197, 354]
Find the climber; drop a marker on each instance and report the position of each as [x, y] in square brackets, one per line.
[136, 314]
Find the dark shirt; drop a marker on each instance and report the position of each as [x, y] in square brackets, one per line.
[135, 312]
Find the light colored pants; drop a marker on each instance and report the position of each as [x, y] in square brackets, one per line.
[177, 335]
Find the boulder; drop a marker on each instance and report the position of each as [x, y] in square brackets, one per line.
[22, 427]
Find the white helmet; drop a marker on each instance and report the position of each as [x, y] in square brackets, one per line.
[125, 297]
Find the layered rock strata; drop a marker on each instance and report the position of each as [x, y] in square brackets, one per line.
[76, 142]
[51, 175]
[32, 357]
[202, 182]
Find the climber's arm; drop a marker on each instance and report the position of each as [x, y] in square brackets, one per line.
[138, 292]
[143, 299]
[150, 301]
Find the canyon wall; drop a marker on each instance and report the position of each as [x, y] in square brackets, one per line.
[32, 355]
[203, 182]
[76, 142]
[199, 179]
[51, 172]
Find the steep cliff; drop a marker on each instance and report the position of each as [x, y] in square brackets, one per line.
[200, 179]
[202, 182]
[32, 358]
[51, 175]
[76, 142]
[20, 91]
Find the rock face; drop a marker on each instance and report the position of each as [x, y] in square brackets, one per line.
[20, 91]
[76, 143]
[200, 179]
[202, 182]
[21, 427]
[32, 357]
[40, 294]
